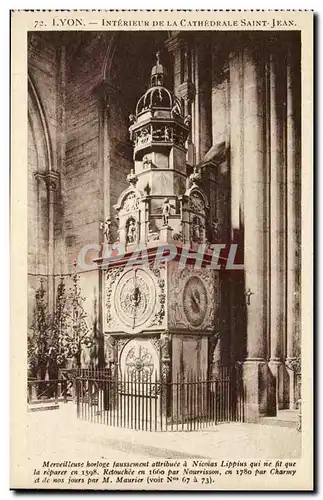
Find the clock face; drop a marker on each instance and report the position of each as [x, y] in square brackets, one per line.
[195, 300]
[135, 297]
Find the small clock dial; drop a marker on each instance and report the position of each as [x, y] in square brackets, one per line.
[195, 301]
[135, 298]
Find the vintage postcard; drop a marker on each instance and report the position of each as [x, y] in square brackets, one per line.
[161, 216]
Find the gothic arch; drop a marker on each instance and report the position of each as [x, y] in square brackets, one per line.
[39, 127]
[125, 194]
[139, 359]
[109, 57]
[195, 189]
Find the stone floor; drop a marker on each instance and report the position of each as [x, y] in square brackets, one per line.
[58, 433]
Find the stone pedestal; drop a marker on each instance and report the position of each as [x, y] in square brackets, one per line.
[165, 235]
[189, 365]
[258, 390]
[189, 356]
[279, 382]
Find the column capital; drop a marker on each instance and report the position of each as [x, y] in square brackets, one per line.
[176, 41]
[50, 178]
[103, 92]
[187, 91]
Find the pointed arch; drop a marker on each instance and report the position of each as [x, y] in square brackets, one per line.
[195, 189]
[109, 57]
[42, 124]
[130, 191]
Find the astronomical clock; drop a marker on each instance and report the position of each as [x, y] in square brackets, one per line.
[159, 319]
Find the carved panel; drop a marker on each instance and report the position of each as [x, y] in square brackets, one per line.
[131, 202]
[110, 318]
[138, 359]
[196, 203]
[165, 353]
[197, 229]
[158, 318]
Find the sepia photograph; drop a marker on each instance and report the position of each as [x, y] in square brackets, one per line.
[164, 325]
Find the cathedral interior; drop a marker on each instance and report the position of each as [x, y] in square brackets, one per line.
[182, 138]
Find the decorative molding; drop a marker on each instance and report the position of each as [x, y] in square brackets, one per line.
[213, 341]
[294, 364]
[109, 57]
[50, 178]
[187, 91]
[158, 318]
[165, 355]
[112, 275]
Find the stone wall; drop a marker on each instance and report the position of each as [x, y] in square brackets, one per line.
[42, 145]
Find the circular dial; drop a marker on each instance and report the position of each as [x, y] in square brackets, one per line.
[135, 297]
[195, 301]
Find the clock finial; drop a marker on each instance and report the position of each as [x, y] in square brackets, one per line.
[158, 72]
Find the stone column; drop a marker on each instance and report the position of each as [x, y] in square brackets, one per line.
[179, 46]
[293, 220]
[103, 93]
[236, 141]
[204, 108]
[277, 94]
[255, 252]
[60, 250]
[237, 320]
[51, 180]
[51, 189]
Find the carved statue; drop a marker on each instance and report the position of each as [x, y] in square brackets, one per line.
[176, 110]
[215, 229]
[167, 134]
[165, 344]
[144, 134]
[107, 230]
[132, 119]
[165, 354]
[157, 134]
[178, 236]
[146, 162]
[109, 349]
[166, 211]
[188, 120]
[132, 178]
[197, 229]
[131, 231]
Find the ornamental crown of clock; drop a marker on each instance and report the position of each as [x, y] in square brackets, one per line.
[162, 203]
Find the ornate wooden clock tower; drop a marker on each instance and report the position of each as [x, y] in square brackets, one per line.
[160, 319]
